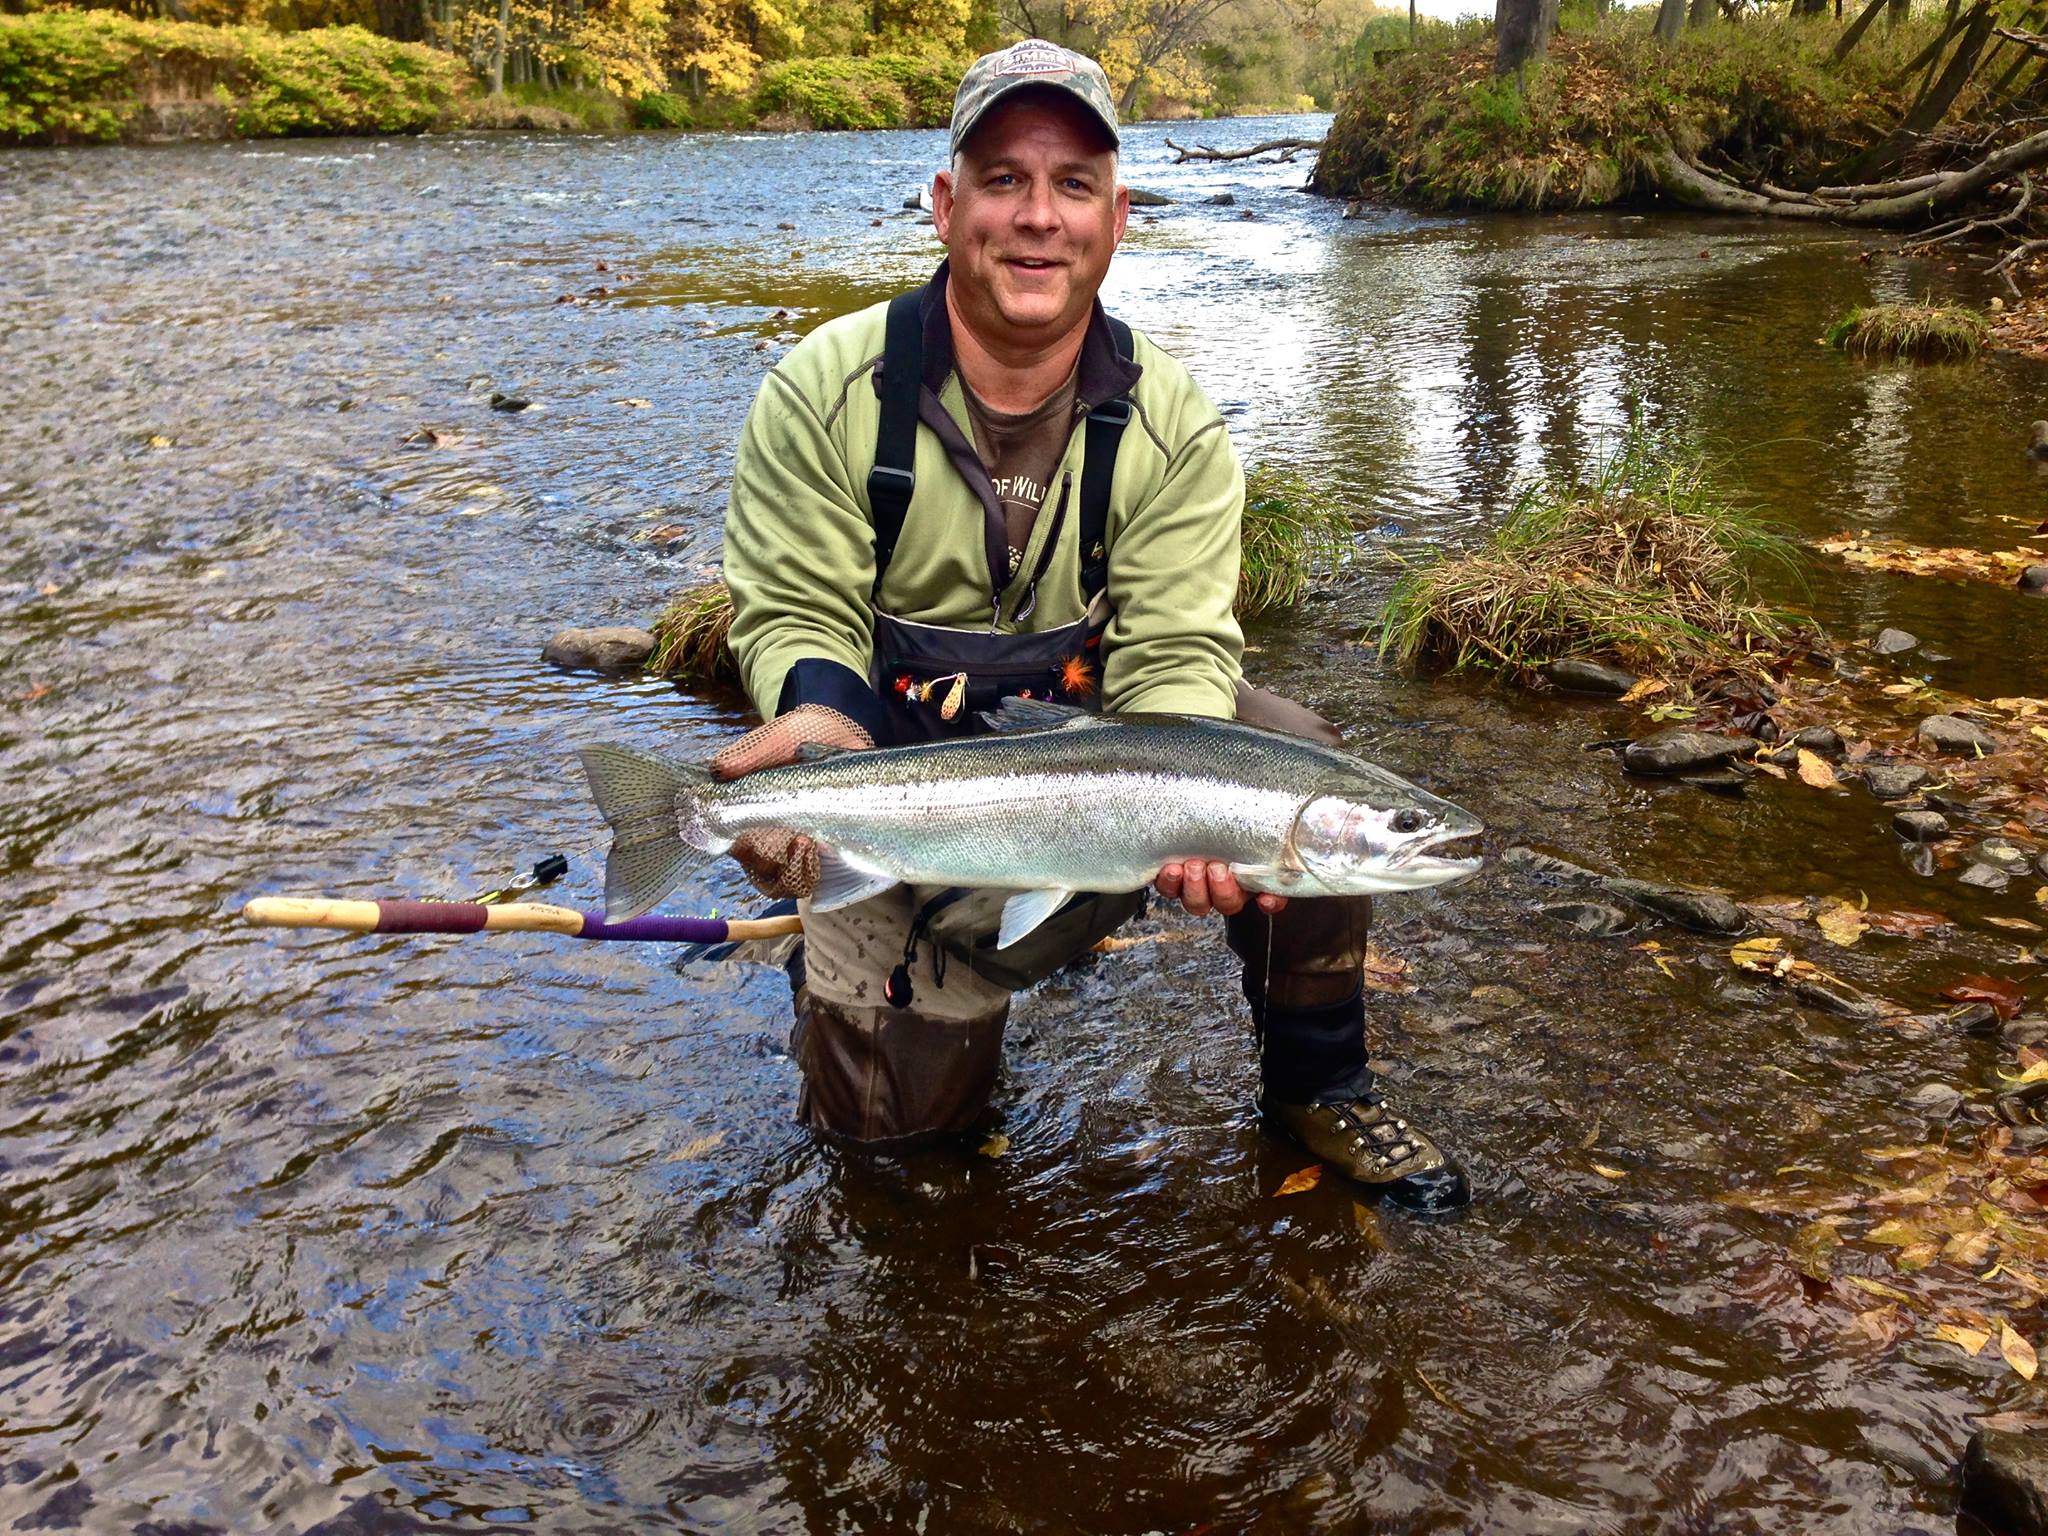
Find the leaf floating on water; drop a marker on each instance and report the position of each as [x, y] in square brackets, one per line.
[1758, 954]
[1897, 1234]
[1301, 1181]
[1840, 923]
[699, 1147]
[1970, 1341]
[1606, 1172]
[1368, 1223]
[1816, 770]
[2018, 924]
[1917, 1257]
[2019, 1354]
[2002, 995]
[1813, 1247]
[1881, 1324]
[1879, 1288]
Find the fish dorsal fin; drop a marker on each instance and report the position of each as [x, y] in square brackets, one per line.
[1015, 714]
[811, 751]
[1025, 911]
[844, 880]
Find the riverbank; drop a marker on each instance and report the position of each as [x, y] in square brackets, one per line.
[1433, 127]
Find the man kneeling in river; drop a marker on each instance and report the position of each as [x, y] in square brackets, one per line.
[989, 487]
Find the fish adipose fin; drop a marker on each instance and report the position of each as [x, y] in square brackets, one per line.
[843, 880]
[1025, 911]
[654, 808]
[1015, 714]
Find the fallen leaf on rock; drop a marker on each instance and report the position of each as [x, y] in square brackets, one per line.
[995, 1146]
[1761, 766]
[1296, 1183]
[1645, 689]
[1840, 923]
[2019, 1354]
[1969, 1340]
[2000, 994]
[1816, 770]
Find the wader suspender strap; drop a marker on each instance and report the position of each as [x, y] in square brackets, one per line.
[1106, 425]
[894, 478]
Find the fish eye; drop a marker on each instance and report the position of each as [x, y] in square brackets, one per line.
[1409, 821]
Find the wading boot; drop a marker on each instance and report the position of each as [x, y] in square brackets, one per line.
[1364, 1139]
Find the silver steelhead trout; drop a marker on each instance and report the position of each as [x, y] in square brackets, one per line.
[1054, 802]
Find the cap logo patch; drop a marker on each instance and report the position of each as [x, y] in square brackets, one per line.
[1033, 57]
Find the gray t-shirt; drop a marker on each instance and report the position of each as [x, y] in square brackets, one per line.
[1021, 454]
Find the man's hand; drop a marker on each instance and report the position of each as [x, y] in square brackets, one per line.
[1202, 888]
[780, 862]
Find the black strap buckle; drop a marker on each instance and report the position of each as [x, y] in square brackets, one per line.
[884, 481]
[1115, 412]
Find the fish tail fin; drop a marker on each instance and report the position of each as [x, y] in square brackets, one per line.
[655, 807]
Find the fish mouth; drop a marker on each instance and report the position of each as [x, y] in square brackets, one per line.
[1458, 850]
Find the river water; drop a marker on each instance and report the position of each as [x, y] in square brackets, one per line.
[433, 1234]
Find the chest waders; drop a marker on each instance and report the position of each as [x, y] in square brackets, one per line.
[934, 681]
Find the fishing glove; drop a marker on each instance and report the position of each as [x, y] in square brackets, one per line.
[778, 861]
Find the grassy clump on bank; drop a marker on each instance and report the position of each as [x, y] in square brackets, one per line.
[1292, 538]
[99, 76]
[1924, 333]
[1643, 563]
[1434, 126]
[884, 90]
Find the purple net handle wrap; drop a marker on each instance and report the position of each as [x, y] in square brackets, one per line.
[656, 930]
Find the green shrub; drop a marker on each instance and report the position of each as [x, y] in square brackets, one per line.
[883, 91]
[68, 76]
[1922, 333]
[658, 109]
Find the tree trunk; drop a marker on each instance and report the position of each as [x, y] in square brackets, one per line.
[1523, 28]
[1686, 183]
[498, 48]
[1702, 13]
[1671, 19]
[1411, 23]
[1896, 11]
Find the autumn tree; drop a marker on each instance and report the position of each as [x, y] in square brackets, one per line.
[1522, 30]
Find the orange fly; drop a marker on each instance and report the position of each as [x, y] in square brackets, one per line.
[1077, 678]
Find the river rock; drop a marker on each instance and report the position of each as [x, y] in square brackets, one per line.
[1894, 781]
[2037, 442]
[2034, 579]
[2020, 1032]
[1974, 1019]
[1940, 1100]
[1953, 734]
[1681, 751]
[1703, 911]
[1221, 200]
[1590, 917]
[505, 402]
[1985, 877]
[2005, 1481]
[1577, 674]
[614, 648]
[1836, 997]
[2009, 857]
[1538, 863]
[1822, 740]
[1921, 826]
[1893, 642]
[1919, 858]
[1140, 198]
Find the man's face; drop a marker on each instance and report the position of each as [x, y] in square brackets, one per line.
[1030, 214]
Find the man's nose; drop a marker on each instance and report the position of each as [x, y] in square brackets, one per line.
[1038, 209]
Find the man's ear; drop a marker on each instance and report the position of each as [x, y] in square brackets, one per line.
[942, 202]
[1123, 210]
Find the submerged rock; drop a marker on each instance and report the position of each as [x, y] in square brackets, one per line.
[1590, 917]
[2009, 857]
[1952, 733]
[1894, 781]
[1836, 997]
[1894, 642]
[1985, 877]
[1824, 740]
[1522, 857]
[1974, 1019]
[614, 648]
[2034, 579]
[2037, 443]
[1920, 826]
[1919, 858]
[1940, 1100]
[1704, 911]
[1221, 200]
[1681, 751]
[2005, 1481]
[1576, 674]
[1140, 198]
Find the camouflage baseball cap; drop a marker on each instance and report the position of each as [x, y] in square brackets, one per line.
[1033, 62]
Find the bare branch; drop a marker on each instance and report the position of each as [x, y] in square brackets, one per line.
[1287, 149]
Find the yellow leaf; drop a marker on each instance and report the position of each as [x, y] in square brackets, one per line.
[2038, 730]
[1295, 1183]
[995, 1146]
[1816, 770]
[1647, 688]
[2019, 923]
[1757, 954]
[2019, 1354]
[1897, 1233]
[1879, 1288]
[1969, 1340]
[1606, 1172]
[2033, 1074]
[1840, 923]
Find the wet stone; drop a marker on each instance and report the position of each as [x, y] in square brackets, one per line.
[1591, 917]
[2034, 579]
[1919, 858]
[1974, 1019]
[1838, 998]
[1940, 1100]
[1985, 877]
[2005, 1481]
[1704, 911]
[1578, 675]
[1140, 198]
[2007, 856]
[614, 648]
[1951, 733]
[1894, 781]
[2028, 1139]
[1221, 200]
[1823, 740]
[1680, 751]
[1920, 826]
[1728, 784]
[1893, 642]
[504, 402]
[2020, 1032]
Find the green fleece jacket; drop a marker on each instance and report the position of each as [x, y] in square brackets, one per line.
[799, 532]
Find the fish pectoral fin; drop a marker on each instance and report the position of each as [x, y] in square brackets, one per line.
[1275, 879]
[1025, 911]
[1015, 714]
[844, 879]
[811, 751]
